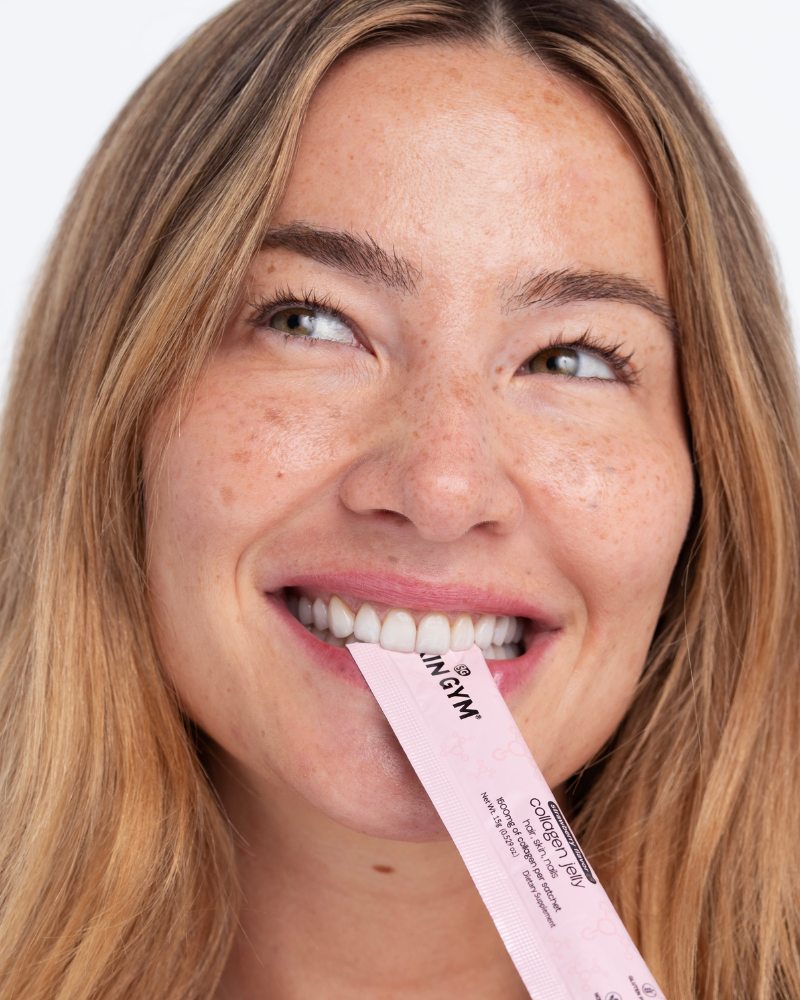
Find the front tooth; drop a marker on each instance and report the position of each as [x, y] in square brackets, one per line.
[511, 630]
[500, 629]
[398, 632]
[334, 640]
[433, 633]
[367, 626]
[304, 612]
[340, 618]
[320, 611]
[484, 631]
[462, 634]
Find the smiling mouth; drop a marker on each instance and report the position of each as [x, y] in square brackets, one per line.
[338, 621]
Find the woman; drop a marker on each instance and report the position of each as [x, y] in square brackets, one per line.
[451, 306]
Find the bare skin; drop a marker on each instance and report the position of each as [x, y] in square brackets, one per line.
[429, 452]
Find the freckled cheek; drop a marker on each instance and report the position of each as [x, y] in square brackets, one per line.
[237, 466]
[613, 514]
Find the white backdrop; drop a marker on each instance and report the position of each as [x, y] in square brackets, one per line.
[67, 66]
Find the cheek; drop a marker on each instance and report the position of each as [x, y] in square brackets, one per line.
[242, 463]
[612, 514]
[616, 509]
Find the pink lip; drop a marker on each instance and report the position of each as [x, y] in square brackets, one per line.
[400, 592]
[396, 591]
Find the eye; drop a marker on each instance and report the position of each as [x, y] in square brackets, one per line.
[570, 362]
[311, 323]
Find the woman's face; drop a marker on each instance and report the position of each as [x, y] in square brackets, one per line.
[451, 387]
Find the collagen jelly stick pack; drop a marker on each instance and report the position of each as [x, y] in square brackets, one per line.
[554, 917]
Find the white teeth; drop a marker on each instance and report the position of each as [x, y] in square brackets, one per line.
[500, 629]
[367, 627]
[433, 634]
[320, 611]
[325, 636]
[398, 632]
[304, 612]
[502, 635]
[508, 651]
[499, 636]
[462, 634]
[340, 618]
[484, 631]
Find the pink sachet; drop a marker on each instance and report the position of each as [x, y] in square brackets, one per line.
[554, 917]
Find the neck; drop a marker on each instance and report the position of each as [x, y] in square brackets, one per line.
[328, 911]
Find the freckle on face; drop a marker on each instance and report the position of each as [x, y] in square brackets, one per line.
[297, 460]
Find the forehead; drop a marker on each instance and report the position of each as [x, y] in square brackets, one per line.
[456, 154]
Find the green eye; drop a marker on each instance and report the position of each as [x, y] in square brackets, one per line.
[567, 361]
[300, 321]
[558, 360]
[316, 324]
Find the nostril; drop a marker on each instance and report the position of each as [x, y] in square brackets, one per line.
[390, 516]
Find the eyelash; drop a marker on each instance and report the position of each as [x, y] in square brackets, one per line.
[285, 297]
[264, 307]
[613, 357]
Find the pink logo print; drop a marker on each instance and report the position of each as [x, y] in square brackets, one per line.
[454, 744]
[609, 926]
[514, 748]
[585, 973]
[558, 949]
[482, 772]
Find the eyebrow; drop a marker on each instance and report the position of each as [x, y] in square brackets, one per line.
[364, 258]
[570, 284]
[358, 255]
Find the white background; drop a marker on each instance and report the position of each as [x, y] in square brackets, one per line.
[67, 66]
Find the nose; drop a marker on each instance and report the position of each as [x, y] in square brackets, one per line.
[438, 460]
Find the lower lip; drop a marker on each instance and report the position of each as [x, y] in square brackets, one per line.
[507, 674]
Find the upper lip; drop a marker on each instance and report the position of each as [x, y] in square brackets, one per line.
[402, 592]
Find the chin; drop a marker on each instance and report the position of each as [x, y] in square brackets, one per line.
[367, 785]
[410, 818]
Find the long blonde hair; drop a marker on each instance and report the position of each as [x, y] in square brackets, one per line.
[116, 867]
